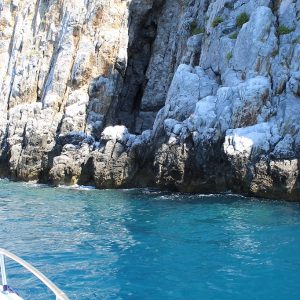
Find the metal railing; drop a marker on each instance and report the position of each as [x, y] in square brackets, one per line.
[60, 295]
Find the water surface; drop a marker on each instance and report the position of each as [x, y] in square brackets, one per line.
[145, 244]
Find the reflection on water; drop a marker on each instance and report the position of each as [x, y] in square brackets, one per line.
[146, 244]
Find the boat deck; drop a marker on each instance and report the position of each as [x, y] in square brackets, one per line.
[9, 296]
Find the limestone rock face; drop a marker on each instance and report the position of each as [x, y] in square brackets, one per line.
[197, 96]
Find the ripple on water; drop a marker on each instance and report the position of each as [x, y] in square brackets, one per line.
[148, 244]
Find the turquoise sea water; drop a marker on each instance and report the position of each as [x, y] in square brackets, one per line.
[145, 244]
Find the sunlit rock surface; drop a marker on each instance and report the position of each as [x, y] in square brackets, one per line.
[197, 96]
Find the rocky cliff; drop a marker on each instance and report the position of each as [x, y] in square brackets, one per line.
[196, 96]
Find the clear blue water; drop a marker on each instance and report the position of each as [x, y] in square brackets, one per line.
[143, 244]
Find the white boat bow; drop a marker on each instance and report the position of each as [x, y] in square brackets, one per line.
[6, 293]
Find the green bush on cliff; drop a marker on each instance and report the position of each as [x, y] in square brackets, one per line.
[229, 56]
[282, 30]
[217, 20]
[241, 19]
[233, 36]
[195, 29]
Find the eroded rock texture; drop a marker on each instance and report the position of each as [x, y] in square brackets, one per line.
[197, 96]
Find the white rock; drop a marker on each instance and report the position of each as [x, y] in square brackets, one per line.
[255, 43]
[115, 133]
[242, 141]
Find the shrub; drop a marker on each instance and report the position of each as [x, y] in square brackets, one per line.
[281, 30]
[241, 19]
[217, 21]
[229, 56]
[196, 30]
[233, 36]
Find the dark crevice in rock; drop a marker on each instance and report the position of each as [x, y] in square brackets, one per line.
[4, 159]
[34, 20]
[137, 99]
[87, 174]
[275, 4]
[142, 34]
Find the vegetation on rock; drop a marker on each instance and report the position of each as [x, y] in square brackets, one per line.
[217, 20]
[241, 19]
